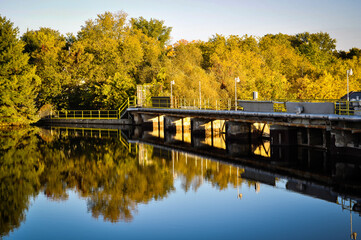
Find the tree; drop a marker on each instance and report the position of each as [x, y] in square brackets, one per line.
[353, 52]
[317, 47]
[184, 67]
[119, 57]
[45, 47]
[18, 81]
[153, 28]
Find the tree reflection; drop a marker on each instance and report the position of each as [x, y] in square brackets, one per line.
[105, 173]
[112, 179]
[20, 169]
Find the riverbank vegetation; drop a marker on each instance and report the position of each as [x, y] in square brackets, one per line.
[100, 67]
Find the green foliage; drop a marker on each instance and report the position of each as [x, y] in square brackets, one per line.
[101, 66]
[45, 47]
[18, 81]
[153, 28]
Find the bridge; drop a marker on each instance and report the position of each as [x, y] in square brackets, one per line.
[293, 123]
[284, 112]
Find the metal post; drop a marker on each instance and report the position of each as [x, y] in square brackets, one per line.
[200, 96]
[235, 92]
[171, 94]
[348, 97]
[212, 133]
[348, 72]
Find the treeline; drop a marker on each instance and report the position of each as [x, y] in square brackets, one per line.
[101, 66]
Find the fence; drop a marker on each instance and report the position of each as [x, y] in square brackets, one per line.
[85, 114]
[342, 107]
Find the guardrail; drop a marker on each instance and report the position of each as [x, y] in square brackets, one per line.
[342, 107]
[94, 114]
[85, 114]
[348, 107]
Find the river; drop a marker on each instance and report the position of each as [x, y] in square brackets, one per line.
[60, 183]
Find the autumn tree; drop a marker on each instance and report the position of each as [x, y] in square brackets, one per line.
[153, 28]
[184, 68]
[46, 48]
[18, 81]
[117, 58]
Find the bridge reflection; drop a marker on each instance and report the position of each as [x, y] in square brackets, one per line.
[315, 171]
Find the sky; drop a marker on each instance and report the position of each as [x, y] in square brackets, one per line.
[200, 19]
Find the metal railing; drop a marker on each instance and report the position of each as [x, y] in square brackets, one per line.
[94, 114]
[192, 103]
[342, 107]
[84, 114]
[93, 133]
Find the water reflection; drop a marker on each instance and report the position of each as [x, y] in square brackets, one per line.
[20, 171]
[115, 174]
[98, 165]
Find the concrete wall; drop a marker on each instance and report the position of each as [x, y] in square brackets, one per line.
[256, 106]
[308, 107]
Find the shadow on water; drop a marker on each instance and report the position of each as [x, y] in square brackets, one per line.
[115, 170]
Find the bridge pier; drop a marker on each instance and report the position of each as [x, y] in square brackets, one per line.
[169, 136]
[238, 130]
[170, 123]
[238, 149]
[148, 121]
[283, 135]
[197, 141]
[292, 136]
[137, 118]
[199, 126]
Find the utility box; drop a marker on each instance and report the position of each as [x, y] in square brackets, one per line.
[160, 102]
[256, 106]
[310, 107]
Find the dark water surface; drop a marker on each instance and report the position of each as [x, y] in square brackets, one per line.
[97, 185]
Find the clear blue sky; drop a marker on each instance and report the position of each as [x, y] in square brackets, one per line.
[200, 19]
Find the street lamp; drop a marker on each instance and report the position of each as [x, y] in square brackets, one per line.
[236, 80]
[171, 93]
[200, 95]
[349, 72]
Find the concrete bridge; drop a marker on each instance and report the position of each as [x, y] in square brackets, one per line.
[253, 120]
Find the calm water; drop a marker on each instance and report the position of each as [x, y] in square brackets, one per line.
[95, 185]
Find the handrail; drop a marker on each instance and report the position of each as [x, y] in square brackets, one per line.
[342, 107]
[122, 108]
[94, 114]
[84, 114]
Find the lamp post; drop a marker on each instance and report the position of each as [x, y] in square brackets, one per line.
[349, 72]
[200, 95]
[171, 93]
[236, 80]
